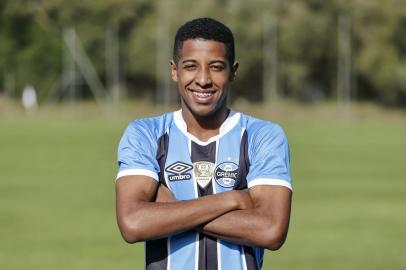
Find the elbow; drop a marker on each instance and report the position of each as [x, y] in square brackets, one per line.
[129, 237]
[131, 232]
[274, 238]
[275, 243]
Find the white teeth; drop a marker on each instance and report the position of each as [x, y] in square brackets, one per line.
[202, 95]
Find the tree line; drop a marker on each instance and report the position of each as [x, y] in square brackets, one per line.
[305, 52]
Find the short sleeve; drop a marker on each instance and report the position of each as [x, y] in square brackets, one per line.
[269, 157]
[137, 152]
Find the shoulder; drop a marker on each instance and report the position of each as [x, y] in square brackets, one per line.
[259, 129]
[152, 127]
[268, 153]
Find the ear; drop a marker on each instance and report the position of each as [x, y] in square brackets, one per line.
[234, 71]
[174, 71]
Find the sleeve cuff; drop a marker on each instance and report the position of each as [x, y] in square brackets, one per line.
[269, 182]
[144, 172]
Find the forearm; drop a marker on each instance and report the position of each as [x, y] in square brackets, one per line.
[240, 226]
[248, 227]
[150, 220]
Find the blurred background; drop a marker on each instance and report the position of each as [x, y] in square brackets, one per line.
[74, 73]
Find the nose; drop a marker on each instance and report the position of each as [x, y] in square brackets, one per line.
[203, 78]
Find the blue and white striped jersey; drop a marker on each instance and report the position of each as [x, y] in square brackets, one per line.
[247, 152]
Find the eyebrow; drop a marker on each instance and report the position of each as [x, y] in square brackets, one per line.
[218, 62]
[211, 62]
[188, 61]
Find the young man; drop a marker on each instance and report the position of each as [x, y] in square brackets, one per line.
[205, 187]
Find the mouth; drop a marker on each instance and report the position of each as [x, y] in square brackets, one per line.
[202, 95]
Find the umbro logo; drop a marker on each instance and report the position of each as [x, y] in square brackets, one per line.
[179, 171]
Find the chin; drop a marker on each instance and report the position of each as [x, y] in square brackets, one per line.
[203, 112]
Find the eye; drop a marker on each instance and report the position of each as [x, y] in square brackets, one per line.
[189, 67]
[217, 67]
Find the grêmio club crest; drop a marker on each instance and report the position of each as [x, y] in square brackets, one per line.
[226, 174]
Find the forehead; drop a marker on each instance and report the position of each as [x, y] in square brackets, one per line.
[196, 48]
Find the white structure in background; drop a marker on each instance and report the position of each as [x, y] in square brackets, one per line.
[29, 98]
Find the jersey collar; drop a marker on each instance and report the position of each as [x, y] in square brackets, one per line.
[230, 122]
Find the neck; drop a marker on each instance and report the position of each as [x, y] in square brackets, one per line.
[204, 127]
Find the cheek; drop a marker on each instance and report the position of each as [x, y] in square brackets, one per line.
[185, 79]
[221, 80]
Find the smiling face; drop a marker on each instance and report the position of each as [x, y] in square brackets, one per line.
[203, 76]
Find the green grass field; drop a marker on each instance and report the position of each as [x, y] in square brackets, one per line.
[57, 175]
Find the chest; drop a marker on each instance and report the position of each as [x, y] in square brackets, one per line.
[192, 169]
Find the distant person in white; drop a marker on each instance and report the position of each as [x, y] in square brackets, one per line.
[29, 98]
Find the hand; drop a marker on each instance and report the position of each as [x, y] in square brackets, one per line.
[164, 195]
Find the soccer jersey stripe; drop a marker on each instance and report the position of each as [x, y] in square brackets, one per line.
[230, 154]
[156, 251]
[178, 168]
[226, 150]
[243, 163]
[207, 244]
[182, 248]
[161, 156]
[207, 253]
[250, 258]
[156, 254]
[203, 152]
[231, 256]
[195, 185]
[179, 176]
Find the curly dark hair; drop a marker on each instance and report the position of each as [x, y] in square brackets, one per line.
[208, 29]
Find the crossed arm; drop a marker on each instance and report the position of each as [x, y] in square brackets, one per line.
[258, 217]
